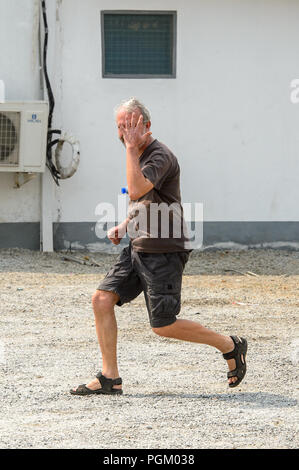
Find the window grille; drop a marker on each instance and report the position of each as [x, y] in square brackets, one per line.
[138, 44]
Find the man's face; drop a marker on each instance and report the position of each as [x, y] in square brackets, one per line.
[121, 117]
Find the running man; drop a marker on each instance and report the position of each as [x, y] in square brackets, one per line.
[152, 264]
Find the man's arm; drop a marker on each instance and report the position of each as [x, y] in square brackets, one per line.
[115, 234]
[138, 185]
[135, 139]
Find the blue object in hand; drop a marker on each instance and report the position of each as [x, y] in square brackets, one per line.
[124, 191]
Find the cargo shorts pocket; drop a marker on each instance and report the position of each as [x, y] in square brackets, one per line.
[164, 298]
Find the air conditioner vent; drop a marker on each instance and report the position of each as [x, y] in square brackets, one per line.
[23, 136]
[9, 138]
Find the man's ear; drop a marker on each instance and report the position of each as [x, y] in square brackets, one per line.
[148, 125]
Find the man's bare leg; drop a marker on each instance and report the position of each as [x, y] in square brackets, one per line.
[103, 303]
[188, 330]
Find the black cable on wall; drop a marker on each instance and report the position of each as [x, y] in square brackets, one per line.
[50, 143]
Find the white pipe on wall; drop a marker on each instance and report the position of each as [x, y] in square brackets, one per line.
[47, 186]
[2, 91]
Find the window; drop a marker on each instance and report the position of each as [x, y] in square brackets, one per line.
[138, 44]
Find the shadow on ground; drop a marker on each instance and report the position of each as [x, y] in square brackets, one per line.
[251, 399]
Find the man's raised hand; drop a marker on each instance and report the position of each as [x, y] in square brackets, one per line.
[133, 131]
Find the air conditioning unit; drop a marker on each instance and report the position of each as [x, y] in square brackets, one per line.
[23, 136]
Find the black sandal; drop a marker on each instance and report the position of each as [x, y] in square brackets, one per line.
[239, 354]
[107, 387]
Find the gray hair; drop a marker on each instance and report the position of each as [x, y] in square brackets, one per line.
[131, 105]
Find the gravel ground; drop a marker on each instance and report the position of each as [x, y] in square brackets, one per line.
[175, 393]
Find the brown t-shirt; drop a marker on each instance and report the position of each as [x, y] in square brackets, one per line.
[157, 222]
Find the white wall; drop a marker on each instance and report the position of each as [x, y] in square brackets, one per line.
[227, 115]
[19, 68]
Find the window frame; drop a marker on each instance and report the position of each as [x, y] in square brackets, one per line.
[173, 13]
